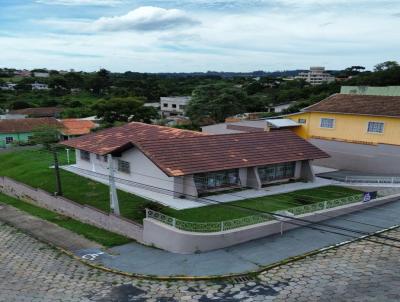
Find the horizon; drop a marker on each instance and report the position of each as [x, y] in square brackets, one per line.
[187, 36]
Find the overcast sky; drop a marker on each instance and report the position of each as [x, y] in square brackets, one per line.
[198, 35]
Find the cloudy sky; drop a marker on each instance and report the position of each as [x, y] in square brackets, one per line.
[198, 35]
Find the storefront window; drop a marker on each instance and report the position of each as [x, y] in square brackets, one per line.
[276, 172]
[217, 180]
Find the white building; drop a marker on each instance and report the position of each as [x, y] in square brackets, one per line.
[39, 86]
[8, 86]
[316, 76]
[175, 105]
[38, 74]
[187, 164]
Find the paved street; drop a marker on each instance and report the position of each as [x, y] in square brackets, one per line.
[361, 271]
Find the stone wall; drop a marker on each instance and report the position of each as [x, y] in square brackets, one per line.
[72, 209]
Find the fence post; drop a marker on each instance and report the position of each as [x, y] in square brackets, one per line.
[147, 213]
[222, 226]
[325, 204]
[174, 222]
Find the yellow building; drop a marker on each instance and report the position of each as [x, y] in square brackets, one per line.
[360, 132]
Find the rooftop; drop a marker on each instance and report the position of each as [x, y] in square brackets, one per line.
[39, 112]
[77, 126]
[26, 125]
[359, 104]
[180, 152]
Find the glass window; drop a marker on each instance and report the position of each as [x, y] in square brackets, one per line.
[97, 156]
[9, 139]
[173, 105]
[124, 166]
[105, 158]
[327, 123]
[301, 120]
[85, 155]
[165, 105]
[375, 127]
[276, 172]
[217, 180]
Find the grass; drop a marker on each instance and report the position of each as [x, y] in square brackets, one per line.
[93, 233]
[32, 167]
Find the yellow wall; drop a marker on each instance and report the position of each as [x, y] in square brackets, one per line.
[352, 128]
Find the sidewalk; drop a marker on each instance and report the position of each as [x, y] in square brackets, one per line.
[44, 230]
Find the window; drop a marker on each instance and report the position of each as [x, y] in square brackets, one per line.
[217, 180]
[173, 105]
[124, 166]
[85, 155]
[9, 139]
[327, 123]
[302, 121]
[165, 105]
[97, 156]
[105, 158]
[375, 127]
[182, 107]
[276, 172]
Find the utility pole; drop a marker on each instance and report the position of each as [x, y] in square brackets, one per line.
[57, 171]
[114, 205]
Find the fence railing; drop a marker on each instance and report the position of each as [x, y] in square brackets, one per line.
[328, 204]
[207, 227]
[386, 180]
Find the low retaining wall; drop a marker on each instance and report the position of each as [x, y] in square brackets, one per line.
[171, 239]
[72, 209]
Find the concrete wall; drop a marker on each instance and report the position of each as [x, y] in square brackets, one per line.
[168, 238]
[72, 209]
[379, 159]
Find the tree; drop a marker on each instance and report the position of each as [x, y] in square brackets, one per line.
[123, 110]
[100, 82]
[386, 65]
[19, 105]
[46, 136]
[217, 101]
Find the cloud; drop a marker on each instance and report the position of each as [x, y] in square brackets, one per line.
[145, 18]
[81, 2]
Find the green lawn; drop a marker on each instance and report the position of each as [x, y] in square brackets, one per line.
[32, 167]
[93, 233]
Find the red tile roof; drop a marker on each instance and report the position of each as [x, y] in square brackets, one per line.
[39, 112]
[113, 139]
[27, 124]
[182, 156]
[76, 126]
[180, 152]
[359, 104]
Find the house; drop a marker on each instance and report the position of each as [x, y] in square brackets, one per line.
[174, 105]
[36, 112]
[279, 108]
[316, 76]
[41, 74]
[8, 86]
[189, 164]
[360, 132]
[20, 131]
[39, 86]
[76, 127]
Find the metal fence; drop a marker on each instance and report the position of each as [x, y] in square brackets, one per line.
[208, 227]
[328, 204]
[383, 180]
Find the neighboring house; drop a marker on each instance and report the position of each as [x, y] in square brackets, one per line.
[38, 74]
[37, 112]
[360, 132]
[20, 131]
[39, 86]
[8, 86]
[76, 127]
[316, 76]
[189, 164]
[368, 90]
[174, 105]
[279, 108]
[249, 126]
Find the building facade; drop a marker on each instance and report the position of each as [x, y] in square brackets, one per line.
[174, 105]
[316, 76]
[360, 132]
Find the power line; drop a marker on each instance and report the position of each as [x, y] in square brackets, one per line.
[213, 202]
